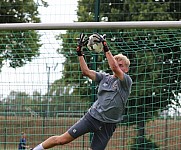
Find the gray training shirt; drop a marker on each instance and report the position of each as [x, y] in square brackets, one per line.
[111, 97]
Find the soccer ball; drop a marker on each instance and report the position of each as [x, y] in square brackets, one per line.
[94, 44]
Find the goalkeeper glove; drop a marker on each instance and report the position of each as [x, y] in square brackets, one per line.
[103, 40]
[82, 42]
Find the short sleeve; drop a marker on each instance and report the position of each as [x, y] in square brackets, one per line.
[127, 82]
[99, 76]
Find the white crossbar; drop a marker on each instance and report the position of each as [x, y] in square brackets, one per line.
[91, 25]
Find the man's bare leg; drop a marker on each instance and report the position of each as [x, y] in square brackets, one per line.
[54, 141]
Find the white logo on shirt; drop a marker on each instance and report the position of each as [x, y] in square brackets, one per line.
[105, 84]
[74, 130]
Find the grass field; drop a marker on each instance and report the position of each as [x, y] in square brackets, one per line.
[166, 133]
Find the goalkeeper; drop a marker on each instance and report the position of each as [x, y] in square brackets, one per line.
[106, 112]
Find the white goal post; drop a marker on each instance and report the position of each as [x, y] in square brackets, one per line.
[92, 25]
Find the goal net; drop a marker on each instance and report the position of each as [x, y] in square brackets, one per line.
[43, 91]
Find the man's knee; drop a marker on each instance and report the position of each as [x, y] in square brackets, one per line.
[63, 139]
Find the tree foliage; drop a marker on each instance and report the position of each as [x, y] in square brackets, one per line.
[19, 47]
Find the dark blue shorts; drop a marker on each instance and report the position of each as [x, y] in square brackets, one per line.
[102, 132]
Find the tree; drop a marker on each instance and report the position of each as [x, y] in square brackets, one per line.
[17, 102]
[19, 47]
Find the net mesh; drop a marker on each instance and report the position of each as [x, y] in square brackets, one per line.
[43, 91]
[49, 94]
